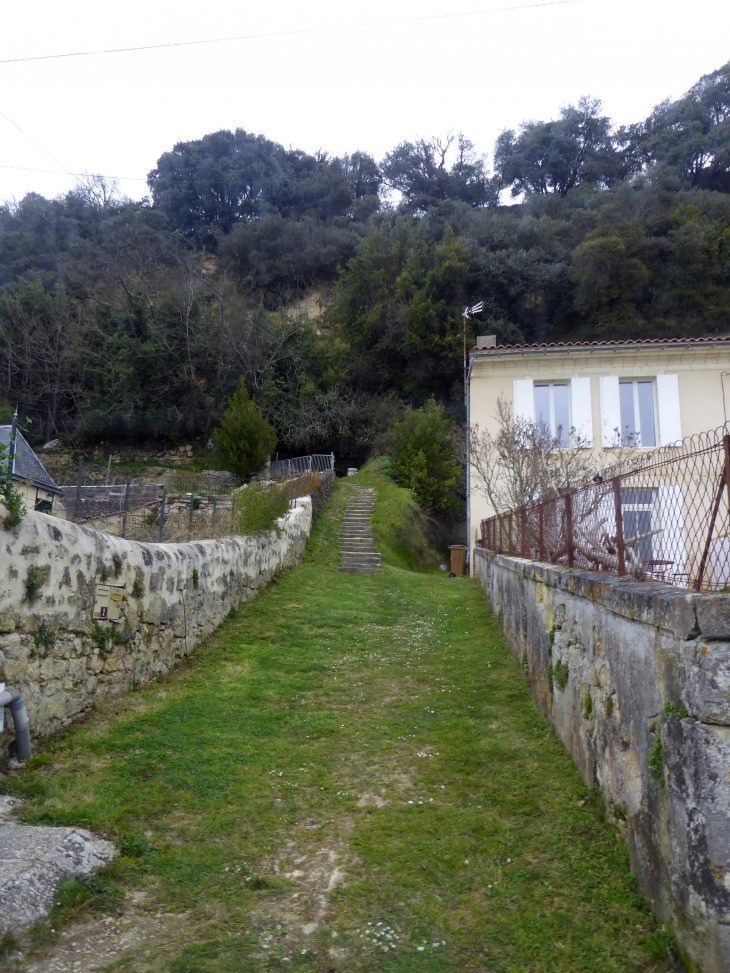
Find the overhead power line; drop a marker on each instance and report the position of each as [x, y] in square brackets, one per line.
[38, 145]
[67, 172]
[290, 33]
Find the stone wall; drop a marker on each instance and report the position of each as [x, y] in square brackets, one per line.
[635, 678]
[172, 597]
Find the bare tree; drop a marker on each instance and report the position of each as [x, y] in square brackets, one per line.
[524, 460]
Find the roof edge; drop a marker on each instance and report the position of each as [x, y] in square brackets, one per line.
[562, 346]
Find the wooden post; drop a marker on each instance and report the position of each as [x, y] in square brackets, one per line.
[161, 531]
[619, 526]
[569, 527]
[126, 507]
[79, 483]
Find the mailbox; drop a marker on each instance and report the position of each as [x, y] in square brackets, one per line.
[108, 602]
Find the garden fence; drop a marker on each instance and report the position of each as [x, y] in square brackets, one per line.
[662, 516]
[154, 513]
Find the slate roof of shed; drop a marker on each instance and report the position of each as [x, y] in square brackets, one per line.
[27, 464]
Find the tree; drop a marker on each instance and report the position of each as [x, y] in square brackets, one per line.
[418, 171]
[244, 440]
[398, 306]
[557, 156]
[690, 136]
[524, 461]
[423, 457]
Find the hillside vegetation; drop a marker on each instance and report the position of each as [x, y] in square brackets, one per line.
[132, 320]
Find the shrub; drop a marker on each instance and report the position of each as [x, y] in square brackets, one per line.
[656, 761]
[258, 507]
[45, 638]
[423, 457]
[34, 581]
[244, 440]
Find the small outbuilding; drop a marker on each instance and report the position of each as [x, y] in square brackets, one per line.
[32, 480]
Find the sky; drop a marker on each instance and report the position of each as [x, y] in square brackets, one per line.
[338, 76]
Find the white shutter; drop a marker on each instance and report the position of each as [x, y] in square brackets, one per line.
[670, 425]
[581, 409]
[523, 399]
[610, 410]
[671, 540]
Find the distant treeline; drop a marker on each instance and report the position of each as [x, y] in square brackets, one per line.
[123, 319]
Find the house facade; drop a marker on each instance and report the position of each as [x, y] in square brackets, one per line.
[610, 395]
[31, 479]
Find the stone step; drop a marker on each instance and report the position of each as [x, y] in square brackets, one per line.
[358, 570]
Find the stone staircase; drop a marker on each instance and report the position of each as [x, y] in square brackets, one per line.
[357, 551]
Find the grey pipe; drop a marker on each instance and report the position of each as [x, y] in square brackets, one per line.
[20, 719]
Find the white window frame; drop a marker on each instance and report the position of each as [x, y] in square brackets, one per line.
[655, 406]
[551, 385]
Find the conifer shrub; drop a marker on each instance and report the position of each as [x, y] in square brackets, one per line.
[244, 440]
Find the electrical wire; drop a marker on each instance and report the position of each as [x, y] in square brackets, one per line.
[65, 172]
[39, 146]
[290, 33]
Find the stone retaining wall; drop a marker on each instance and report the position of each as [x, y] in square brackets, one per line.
[635, 678]
[172, 597]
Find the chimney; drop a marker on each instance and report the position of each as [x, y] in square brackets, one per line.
[487, 341]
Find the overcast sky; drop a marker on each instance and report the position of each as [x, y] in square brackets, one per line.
[363, 87]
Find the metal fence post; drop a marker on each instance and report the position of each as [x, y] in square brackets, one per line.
[569, 527]
[212, 519]
[11, 454]
[162, 515]
[79, 481]
[126, 507]
[541, 532]
[190, 516]
[523, 532]
[621, 568]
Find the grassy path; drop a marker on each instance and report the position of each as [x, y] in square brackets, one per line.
[352, 775]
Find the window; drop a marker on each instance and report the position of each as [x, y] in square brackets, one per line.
[552, 410]
[636, 403]
[637, 513]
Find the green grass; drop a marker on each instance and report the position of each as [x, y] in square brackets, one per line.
[361, 752]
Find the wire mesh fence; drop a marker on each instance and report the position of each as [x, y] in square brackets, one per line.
[662, 516]
[153, 513]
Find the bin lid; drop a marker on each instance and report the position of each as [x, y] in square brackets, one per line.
[457, 547]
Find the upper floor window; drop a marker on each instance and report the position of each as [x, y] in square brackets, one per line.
[638, 421]
[552, 410]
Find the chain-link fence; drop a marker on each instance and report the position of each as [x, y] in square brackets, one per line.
[663, 516]
[154, 513]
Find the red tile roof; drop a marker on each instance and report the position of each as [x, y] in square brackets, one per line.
[629, 342]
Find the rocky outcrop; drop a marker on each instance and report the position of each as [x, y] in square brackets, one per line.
[635, 678]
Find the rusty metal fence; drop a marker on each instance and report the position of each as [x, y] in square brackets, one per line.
[662, 516]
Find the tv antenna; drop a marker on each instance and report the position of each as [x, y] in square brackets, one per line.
[467, 313]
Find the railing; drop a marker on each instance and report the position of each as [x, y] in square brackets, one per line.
[316, 463]
[662, 516]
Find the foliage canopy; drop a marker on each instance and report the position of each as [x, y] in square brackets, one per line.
[423, 457]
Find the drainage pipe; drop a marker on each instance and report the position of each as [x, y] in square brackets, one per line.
[20, 719]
